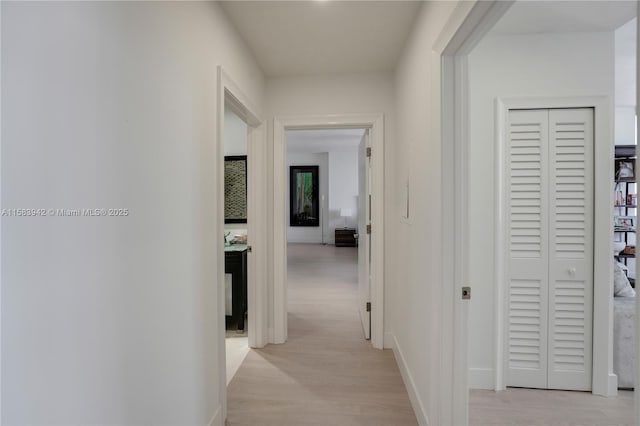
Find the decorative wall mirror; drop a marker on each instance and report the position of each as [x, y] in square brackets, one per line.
[235, 189]
[304, 208]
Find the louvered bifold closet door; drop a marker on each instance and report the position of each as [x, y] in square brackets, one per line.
[571, 248]
[527, 213]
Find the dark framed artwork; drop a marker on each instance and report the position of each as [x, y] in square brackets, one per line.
[304, 208]
[235, 189]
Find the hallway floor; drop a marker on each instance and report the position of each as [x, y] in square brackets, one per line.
[326, 373]
[517, 406]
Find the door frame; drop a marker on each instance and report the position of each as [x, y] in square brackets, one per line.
[604, 381]
[636, 396]
[280, 126]
[364, 190]
[466, 27]
[230, 94]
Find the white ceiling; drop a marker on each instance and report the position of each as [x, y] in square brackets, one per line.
[532, 17]
[328, 140]
[315, 37]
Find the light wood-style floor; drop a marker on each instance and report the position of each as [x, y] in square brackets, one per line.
[517, 406]
[326, 373]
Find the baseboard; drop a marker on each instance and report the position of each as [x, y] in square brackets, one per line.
[481, 378]
[613, 384]
[217, 419]
[609, 388]
[414, 397]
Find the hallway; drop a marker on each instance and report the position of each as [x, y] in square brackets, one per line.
[326, 373]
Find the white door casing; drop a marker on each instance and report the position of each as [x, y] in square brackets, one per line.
[229, 95]
[375, 122]
[364, 241]
[466, 27]
[550, 179]
[636, 409]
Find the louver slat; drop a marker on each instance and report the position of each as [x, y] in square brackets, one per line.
[569, 331]
[525, 202]
[569, 166]
[524, 324]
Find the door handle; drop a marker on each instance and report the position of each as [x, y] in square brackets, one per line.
[572, 271]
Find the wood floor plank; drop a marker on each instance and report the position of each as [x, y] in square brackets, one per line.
[326, 373]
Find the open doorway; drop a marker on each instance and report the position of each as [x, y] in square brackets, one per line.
[235, 240]
[326, 181]
[518, 67]
[370, 300]
[241, 141]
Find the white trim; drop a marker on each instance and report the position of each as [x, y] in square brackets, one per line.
[257, 236]
[217, 419]
[499, 267]
[603, 243]
[279, 236]
[412, 390]
[280, 124]
[466, 27]
[636, 409]
[612, 383]
[229, 93]
[1, 363]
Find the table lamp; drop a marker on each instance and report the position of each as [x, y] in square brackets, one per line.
[345, 213]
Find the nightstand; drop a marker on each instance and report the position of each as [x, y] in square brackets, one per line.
[345, 237]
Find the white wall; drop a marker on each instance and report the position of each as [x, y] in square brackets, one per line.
[343, 190]
[552, 65]
[110, 320]
[625, 125]
[625, 83]
[310, 234]
[235, 134]
[338, 189]
[415, 315]
[328, 94]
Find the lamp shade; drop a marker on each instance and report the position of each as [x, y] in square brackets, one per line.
[345, 212]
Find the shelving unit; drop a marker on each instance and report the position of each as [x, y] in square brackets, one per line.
[625, 204]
